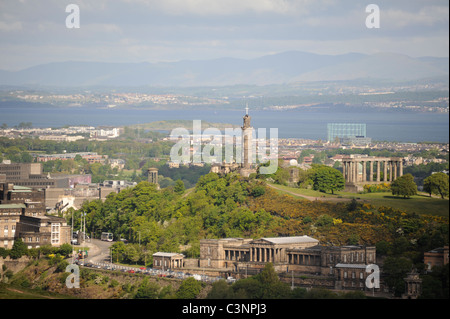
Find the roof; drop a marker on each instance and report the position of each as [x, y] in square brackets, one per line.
[23, 188]
[11, 206]
[358, 266]
[291, 240]
[161, 254]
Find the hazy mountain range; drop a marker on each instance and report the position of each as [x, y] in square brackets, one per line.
[279, 68]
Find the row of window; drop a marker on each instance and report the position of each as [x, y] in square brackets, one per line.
[7, 220]
[10, 213]
[6, 232]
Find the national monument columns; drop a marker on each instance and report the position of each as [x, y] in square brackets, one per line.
[387, 169]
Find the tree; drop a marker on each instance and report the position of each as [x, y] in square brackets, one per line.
[147, 290]
[437, 184]
[404, 186]
[395, 270]
[19, 249]
[189, 289]
[179, 187]
[328, 179]
[65, 249]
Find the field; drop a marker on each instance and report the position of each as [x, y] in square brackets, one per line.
[421, 203]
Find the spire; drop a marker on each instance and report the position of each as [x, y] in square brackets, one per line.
[246, 109]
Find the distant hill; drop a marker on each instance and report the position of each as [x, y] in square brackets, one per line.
[279, 68]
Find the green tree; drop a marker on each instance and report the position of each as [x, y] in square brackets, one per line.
[437, 184]
[220, 290]
[179, 187]
[19, 249]
[189, 289]
[328, 179]
[395, 270]
[147, 290]
[404, 186]
[65, 249]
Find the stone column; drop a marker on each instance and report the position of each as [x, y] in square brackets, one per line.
[401, 167]
[395, 164]
[343, 170]
[378, 171]
[385, 177]
[350, 171]
[364, 171]
[390, 171]
[371, 171]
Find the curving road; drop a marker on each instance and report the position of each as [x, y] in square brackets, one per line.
[98, 251]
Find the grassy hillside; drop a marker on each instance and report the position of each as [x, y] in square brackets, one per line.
[419, 204]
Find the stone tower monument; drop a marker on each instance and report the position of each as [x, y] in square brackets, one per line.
[153, 176]
[247, 146]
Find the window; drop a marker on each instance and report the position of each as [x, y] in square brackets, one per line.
[5, 231]
[55, 233]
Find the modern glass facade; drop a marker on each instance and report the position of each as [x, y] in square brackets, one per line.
[345, 130]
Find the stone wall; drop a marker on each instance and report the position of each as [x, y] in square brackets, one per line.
[14, 265]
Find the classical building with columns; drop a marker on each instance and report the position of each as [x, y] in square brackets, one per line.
[345, 266]
[360, 170]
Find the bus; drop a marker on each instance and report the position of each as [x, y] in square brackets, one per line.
[107, 237]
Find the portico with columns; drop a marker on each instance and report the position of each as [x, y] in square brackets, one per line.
[381, 169]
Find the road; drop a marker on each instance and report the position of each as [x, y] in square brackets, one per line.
[98, 251]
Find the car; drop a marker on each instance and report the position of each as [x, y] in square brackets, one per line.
[131, 271]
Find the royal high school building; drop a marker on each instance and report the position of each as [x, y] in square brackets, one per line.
[343, 266]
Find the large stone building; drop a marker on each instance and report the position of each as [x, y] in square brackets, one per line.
[23, 215]
[344, 266]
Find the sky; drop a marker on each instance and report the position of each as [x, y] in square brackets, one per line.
[35, 32]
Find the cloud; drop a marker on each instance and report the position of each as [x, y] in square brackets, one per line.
[12, 26]
[230, 7]
[162, 30]
[425, 17]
